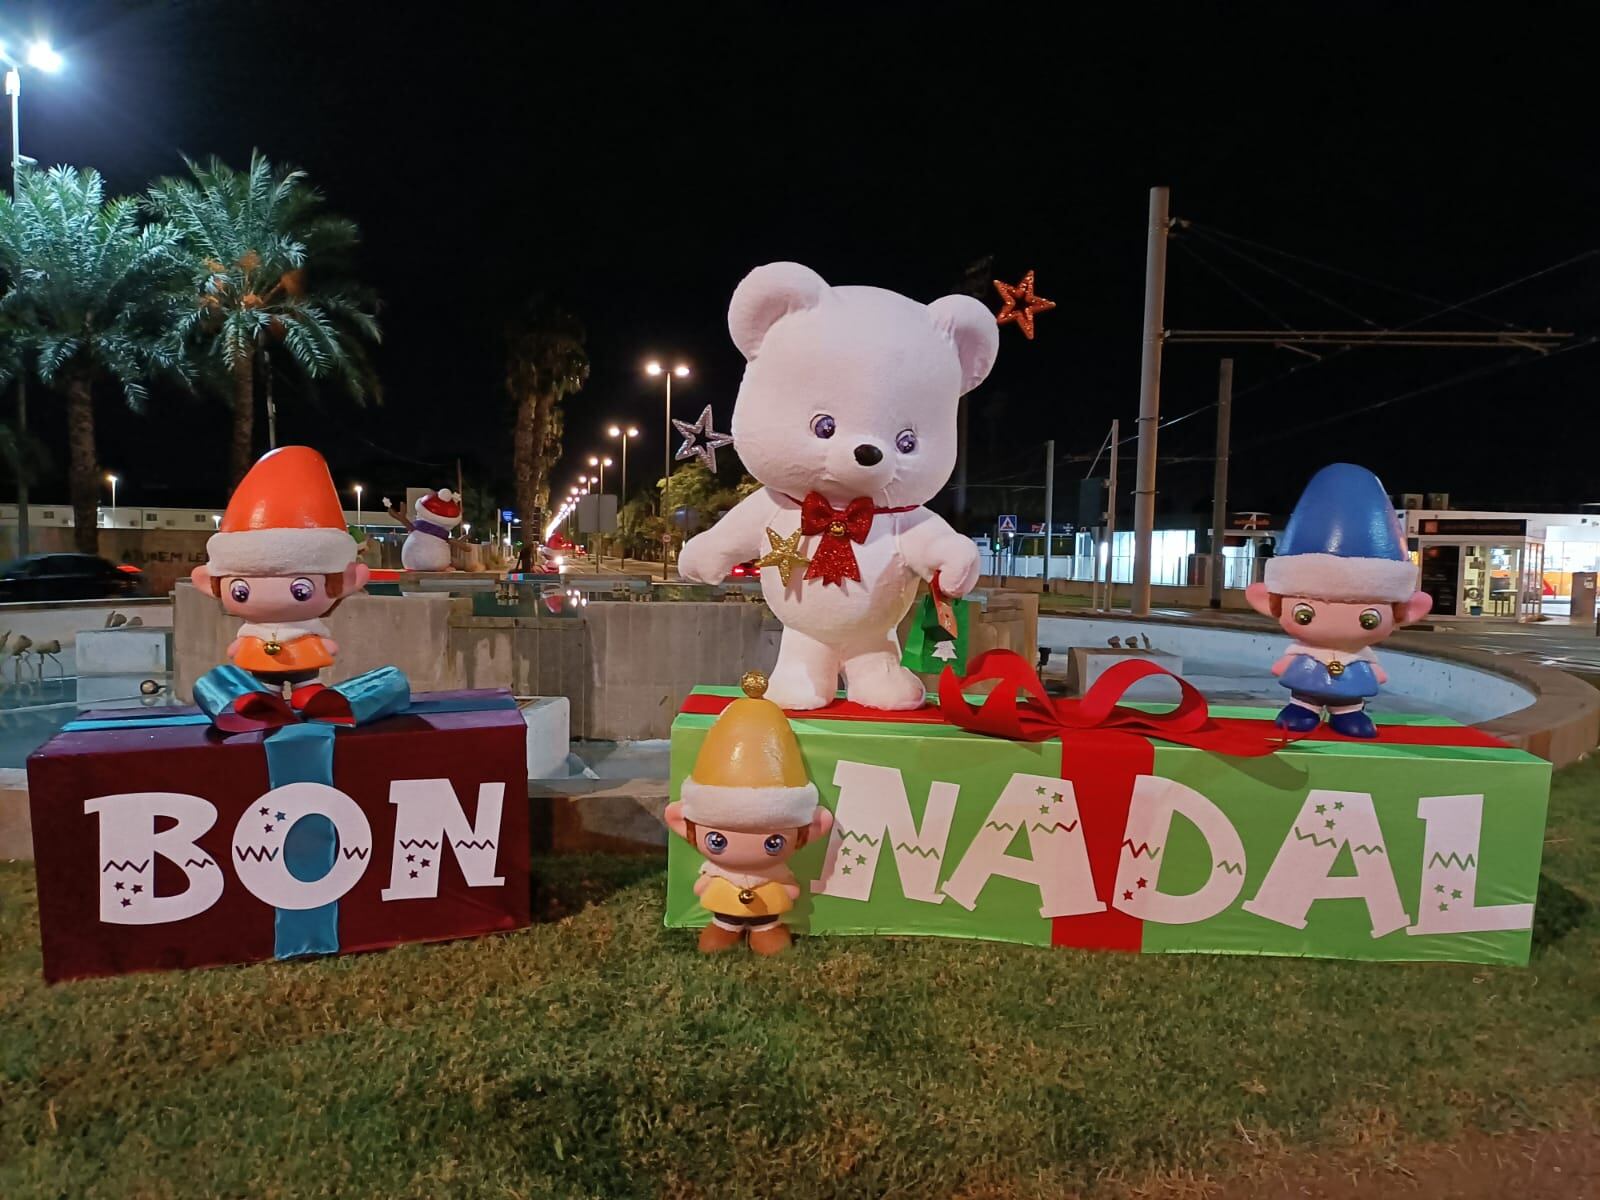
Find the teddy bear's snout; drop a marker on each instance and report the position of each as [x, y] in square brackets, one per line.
[868, 455]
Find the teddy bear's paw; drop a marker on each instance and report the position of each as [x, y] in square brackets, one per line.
[796, 693]
[894, 688]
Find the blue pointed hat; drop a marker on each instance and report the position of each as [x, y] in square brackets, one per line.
[1343, 542]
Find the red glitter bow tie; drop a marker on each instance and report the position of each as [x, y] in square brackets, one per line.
[834, 560]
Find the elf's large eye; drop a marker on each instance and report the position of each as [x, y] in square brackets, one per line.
[1304, 614]
[301, 589]
[239, 590]
[1370, 619]
[824, 426]
[716, 842]
[775, 844]
[906, 442]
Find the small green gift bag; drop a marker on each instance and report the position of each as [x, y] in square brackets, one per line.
[938, 635]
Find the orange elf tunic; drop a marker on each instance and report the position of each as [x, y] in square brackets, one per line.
[300, 646]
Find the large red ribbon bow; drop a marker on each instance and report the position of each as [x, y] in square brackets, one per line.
[834, 560]
[1005, 712]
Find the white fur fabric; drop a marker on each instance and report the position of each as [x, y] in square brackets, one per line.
[280, 552]
[1346, 580]
[748, 809]
[883, 368]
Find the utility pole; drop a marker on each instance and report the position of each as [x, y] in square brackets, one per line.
[24, 459]
[1111, 518]
[1144, 484]
[1219, 486]
[1049, 505]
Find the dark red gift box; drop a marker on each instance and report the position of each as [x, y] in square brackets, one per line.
[102, 799]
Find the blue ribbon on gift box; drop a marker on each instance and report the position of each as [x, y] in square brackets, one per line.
[299, 748]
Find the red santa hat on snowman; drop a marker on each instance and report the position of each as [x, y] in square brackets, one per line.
[444, 505]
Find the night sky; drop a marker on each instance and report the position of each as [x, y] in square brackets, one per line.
[635, 163]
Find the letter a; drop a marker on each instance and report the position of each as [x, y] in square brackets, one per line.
[873, 809]
[1048, 809]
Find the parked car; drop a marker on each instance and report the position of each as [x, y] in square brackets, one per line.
[745, 570]
[69, 577]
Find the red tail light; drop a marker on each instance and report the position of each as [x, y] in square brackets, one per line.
[129, 569]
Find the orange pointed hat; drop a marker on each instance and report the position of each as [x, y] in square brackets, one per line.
[284, 519]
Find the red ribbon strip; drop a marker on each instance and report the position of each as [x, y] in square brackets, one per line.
[1005, 712]
[258, 712]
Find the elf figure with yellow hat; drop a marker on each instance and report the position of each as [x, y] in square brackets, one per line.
[748, 806]
[282, 559]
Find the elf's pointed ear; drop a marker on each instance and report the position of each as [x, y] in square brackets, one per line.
[201, 578]
[674, 819]
[356, 576]
[971, 328]
[1418, 606]
[1260, 599]
[766, 296]
[821, 824]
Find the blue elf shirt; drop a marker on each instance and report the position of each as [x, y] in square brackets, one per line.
[1309, 676]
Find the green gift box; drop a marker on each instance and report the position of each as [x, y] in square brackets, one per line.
[1127, 832]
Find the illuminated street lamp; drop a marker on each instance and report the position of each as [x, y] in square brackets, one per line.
[112, 480]
[617, 431]
[600, 479]
[358, 506]
[41, 57]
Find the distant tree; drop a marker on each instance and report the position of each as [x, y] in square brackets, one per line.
[269, 266]
[545, 362]
[709, 496]
[91, 296]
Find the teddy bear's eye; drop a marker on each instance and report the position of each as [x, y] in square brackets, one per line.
[824, 426]
[906, 442]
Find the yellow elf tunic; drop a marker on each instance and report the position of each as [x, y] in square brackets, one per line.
[724, 895]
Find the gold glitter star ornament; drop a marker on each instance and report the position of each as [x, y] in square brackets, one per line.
[784, 554]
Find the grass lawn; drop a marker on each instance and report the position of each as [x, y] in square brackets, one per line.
[598, 1054]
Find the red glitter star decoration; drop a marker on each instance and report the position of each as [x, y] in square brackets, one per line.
[1020, 304]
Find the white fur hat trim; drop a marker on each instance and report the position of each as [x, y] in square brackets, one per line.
[280, 552]
[1338, 578]
[748, 809]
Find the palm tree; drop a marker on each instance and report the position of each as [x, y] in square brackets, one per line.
[545, 362]
[91, 296]
[267, 263]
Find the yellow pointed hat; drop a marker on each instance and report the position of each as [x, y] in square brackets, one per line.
[749, 774]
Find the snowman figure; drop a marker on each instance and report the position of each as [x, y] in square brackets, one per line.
[427, 546]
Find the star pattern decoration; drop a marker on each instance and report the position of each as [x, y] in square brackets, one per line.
[413, 874]
[281, 817]
[266, 829]
[845, 871]
[1321, 808]
[1338, 806]
[1020, 304]
[861, 858]
[265, 811]
[784, 554]
[1142, 883]
[426, 862]
[1127, 895]
[1439, 888]
[1038, 791]
[1455, 893]
[126, 902]
[138, 887]
[411, 858]
[1056, 797]
[1443, 907]
[1328, 824]
[119, 885]
[700, 440]
[1044, 809]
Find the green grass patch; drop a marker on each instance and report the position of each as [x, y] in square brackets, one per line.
[597, 1054]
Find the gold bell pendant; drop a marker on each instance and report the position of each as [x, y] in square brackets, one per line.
[747, 896]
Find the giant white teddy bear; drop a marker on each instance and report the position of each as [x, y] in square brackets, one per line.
[847, 415]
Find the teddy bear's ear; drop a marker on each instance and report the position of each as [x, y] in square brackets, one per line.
[971, 327]
[767, 295]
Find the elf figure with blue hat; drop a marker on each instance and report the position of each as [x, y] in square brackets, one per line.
[1339, 584]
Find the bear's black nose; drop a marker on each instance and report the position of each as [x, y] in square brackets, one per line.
[868, 456]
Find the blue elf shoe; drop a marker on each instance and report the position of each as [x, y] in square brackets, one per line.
[1297, 718]
[1353, 724]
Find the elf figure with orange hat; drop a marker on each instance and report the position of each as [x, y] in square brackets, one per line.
[282, 559]
[748, 806]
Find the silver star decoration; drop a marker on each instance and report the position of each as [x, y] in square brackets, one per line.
[700, 440]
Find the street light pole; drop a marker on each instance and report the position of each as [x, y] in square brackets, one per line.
[1144, 480]
[1219, 486]
[359, 513]
[681, 371]
[14, 90]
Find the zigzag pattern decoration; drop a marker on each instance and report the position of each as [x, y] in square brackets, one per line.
[1469, 862]
[850, 835]
[1322, 841]
[917, 850]
[203, 862]
[1232, 868]
[417, 844]
[129, 865]
[1001, 825]
[1051, 828]
[355, 851]
[1143, 849]
[258, 853]
[485, 844]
